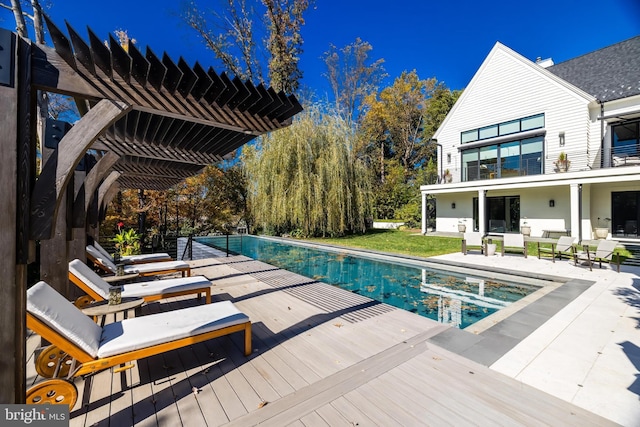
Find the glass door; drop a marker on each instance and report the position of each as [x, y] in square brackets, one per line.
[625, 212]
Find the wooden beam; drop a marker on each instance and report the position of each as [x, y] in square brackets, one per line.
[90, 185]
[106, 192]
[59, 168]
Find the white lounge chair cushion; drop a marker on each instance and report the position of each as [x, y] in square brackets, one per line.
[141, 289]
[101, 258]
[147, 331]
[146, 257]
[155, 266]
[49, 306]
[133, 258]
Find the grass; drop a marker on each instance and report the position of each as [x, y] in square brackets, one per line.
[408, 242]
[411, 242]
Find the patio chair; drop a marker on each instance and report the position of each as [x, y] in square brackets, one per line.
[134, 259]
[604, 252]
[564, 246]
[514, 242]
[472, 240]
[80, 347]
[149, 269]
[94, 286]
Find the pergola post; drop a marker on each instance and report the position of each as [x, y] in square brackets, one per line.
[16, 171]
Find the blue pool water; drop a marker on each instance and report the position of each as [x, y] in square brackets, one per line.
[446, 297]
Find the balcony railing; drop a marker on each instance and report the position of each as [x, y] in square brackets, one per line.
[577, 161]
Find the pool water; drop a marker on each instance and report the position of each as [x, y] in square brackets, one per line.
[450, 298]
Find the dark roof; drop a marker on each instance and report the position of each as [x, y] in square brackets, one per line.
[609, 73]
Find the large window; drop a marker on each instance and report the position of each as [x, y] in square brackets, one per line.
[626, 140]
[502, 216]
[513, 158]
[501, 129]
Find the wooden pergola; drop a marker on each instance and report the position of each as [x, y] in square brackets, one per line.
[147, 122]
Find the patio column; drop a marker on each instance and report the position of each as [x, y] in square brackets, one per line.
[424, 213]
[576, 229]
[482, 211]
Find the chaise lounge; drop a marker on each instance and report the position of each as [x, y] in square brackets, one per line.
[95, 286]
[134, 259]
[149, 269]
[91, 348]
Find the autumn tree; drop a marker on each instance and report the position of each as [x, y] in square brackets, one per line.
[352, 75]
[231, 33]
[393, 121]
[306, 180]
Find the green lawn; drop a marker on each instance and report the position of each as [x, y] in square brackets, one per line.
[411, 242]
[408, 242]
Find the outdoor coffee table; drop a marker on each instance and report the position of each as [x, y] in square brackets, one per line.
[122, 278]
[102, 308]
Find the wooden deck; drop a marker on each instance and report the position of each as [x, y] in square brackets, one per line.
[322, 357]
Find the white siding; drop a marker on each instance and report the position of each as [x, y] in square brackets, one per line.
[509, 87]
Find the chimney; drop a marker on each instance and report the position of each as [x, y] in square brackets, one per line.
[544, 63]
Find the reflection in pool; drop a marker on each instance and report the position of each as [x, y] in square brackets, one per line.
[451, 298]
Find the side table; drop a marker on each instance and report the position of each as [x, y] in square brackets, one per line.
[102, 308]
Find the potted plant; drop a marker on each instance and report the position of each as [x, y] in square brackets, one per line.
[447, 175]
[600, 231]
[563, 162]
[525, 228]
[462, 226]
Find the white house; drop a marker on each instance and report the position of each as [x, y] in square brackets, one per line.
[503, 140]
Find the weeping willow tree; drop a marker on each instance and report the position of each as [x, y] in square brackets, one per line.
[305, 179]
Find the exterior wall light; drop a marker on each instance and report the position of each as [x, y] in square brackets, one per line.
[561, 139]
[552, 203]
[453, 205]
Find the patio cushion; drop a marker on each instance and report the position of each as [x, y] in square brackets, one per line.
[102, 259]
[147, 331]
[139, 289]
[50, 307]
[155, 266]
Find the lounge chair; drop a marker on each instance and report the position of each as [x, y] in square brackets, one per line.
[94, 286]
[514, 242]
[134, 259]
[472, 240]
[150, 269]
[90, 348]
[604, 252]
[564, 246]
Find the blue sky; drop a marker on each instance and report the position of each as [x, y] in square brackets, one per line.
[446, 39]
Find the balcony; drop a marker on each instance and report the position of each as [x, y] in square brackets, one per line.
[576, 161]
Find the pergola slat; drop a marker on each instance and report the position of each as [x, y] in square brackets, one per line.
[157, 70]
[139, 64]
[61, 42]
[174, 75]
[189, 78]
[120, 59]
[82, 50]
[101, 53]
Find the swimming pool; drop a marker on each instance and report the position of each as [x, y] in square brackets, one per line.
[448, 297]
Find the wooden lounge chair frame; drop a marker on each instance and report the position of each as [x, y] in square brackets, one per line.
[97, 297]
[70, 360]
[186, 271]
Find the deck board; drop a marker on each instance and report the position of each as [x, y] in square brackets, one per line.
[321, 357]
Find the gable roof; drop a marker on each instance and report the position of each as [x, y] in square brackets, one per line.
[499, 47]
[608, 74]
